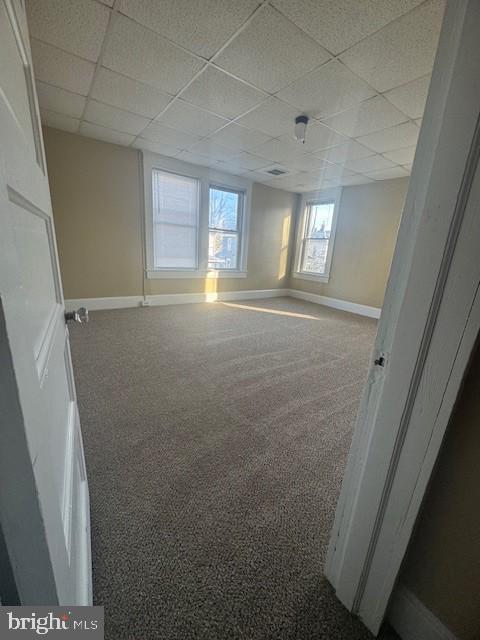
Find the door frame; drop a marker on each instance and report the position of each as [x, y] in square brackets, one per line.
[427, 331]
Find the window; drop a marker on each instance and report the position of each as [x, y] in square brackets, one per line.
[316, 235]
[175, 203]
[224, 224]
[318, 229]
[196, 220]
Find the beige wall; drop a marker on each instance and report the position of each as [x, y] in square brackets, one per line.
[96, 205]
[367, 227]
[442, 567]
[96, 197]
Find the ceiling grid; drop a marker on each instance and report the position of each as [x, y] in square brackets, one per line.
[219, 82]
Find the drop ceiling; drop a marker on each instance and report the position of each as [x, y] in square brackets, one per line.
[220, 82]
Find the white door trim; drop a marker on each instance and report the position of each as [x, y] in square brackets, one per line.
[429, 323]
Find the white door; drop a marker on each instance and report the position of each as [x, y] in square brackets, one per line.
[44, 504]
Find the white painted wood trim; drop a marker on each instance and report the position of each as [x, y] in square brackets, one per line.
[335, 303]
[413, 621]
[207, 177]
[125, 302]
[430, 319]
[308, 276]
[211, 274]
[97, 304]
[85, 590]
[327, 195]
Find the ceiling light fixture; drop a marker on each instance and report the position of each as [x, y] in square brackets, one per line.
[300, 128]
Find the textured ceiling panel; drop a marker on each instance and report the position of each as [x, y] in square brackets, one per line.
[201, 26]
[77, 26]
[402, 51]
[143, 55]
[220, 82]
[219, 92]
[125, 93]
[271, 52]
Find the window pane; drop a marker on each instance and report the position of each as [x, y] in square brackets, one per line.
[222, 250]
[175, 198]
[320, 220]
[223, 209]
[175, 247]
[315, 256]
[175, 221]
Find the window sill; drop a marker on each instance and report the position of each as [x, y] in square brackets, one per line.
[209, 274]
[311, 276]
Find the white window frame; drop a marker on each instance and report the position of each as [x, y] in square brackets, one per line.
[240, 216]
[326, 196]
[208, 178]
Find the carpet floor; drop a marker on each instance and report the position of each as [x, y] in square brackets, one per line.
[216, 437]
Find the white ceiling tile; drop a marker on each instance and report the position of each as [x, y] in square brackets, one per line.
[388, 174]
[305, 162]
[227, 167]
[418, 122]
[125, 93]
[332, 172]
[77, 26]
[350, 150]
[402, 135]
[271, 52]
[272, 117]
[401, 156]
[316, 187]
[214, 151]
[327, 90]
[318, 136]
[353, 181]
[249, 161]
[61, 69]
[201, 26]
[59, 121]
[218, 92]
[337, 24]
[372, 163]
[277, 166]
[156, 147]
[408, 166]
[401, 51]
[372, 115]
[185, 117]
[411, 97]
[143, 55]
[61, 101]
[239, 138]
[103, 133]
[197, 158]
[157, 132]
[256, 176]
[274, 150]
[113, 118]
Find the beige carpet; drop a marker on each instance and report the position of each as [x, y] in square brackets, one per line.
[216, 436]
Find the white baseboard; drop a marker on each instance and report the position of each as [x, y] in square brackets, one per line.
[413, 621]
[189, 298]
[97, 304]
[124, 302]
[335, 303]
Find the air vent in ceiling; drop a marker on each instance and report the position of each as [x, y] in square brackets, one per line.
[276, 172]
